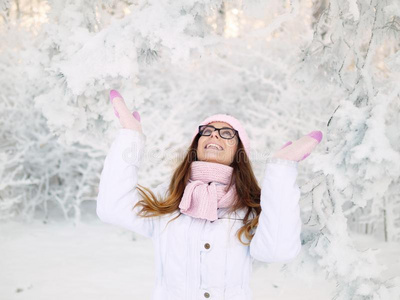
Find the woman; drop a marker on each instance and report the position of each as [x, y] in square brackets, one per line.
[199, 218]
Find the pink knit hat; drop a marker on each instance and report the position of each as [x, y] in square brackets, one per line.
[231, 121]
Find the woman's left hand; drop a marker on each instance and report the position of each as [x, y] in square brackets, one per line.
[301, 148]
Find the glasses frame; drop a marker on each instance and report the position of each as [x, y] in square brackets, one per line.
[219, 133]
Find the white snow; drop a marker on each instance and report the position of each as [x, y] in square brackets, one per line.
[99, 261]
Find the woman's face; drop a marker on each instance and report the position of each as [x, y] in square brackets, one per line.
[226, 150]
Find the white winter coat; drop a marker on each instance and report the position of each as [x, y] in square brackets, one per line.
[197, 259]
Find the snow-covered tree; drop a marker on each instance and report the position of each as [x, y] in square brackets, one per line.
[172, 60]
[283, 68]
[354, 47]
[39, 175]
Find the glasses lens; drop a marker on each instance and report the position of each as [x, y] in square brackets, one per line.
[227, 133]
[206, 130]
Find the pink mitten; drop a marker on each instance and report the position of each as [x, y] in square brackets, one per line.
[301, 148]
[287, 144]
[127, 120]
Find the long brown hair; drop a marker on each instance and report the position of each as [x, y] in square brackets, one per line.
[247, 189]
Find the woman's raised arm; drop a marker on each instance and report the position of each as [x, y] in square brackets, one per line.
[277, 236]
[118, 181]
[117, 190]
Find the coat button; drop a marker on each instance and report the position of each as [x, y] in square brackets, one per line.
[207, 245]
[207, 295]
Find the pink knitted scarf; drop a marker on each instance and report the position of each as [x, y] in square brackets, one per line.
[205, 191]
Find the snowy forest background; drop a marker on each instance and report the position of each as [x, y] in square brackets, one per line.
[284, 68]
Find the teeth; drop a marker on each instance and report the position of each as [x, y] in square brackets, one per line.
[214, 146]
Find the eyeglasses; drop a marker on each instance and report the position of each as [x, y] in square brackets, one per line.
[224, 132]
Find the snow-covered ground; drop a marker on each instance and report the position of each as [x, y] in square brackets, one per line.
[99, 261]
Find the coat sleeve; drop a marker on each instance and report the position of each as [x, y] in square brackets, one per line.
[277, 236]
[117, 189]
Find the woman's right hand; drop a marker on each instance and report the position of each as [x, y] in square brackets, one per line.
[127, 119]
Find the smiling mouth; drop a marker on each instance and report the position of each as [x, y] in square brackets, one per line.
[213, 147]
